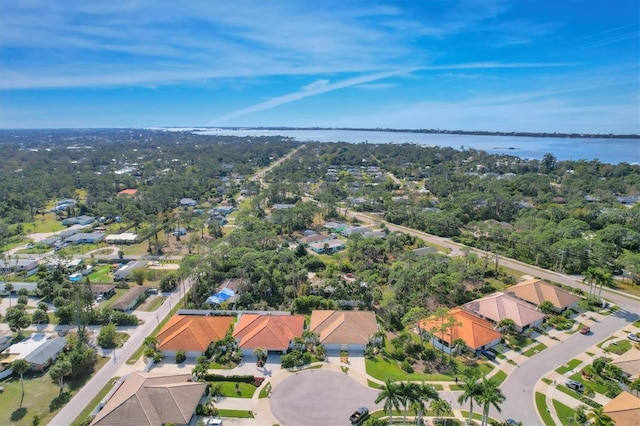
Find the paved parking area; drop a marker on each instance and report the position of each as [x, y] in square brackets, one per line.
[319, 398]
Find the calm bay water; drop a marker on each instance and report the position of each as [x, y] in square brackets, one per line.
[605, 150]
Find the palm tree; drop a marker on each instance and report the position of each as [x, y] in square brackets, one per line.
[440, 407]
[390, 393]
[59, 370]
[471, 390]
[423, 392]
[599, 418]
[407, 393]
[261, 356]
[20, 366]
[490, 395]
[8, 287]
[590, 278]
[459, 344]
[604, 278]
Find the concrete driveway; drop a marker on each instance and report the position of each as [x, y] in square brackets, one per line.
[319, 398]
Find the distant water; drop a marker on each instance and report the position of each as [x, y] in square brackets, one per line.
[611, 151]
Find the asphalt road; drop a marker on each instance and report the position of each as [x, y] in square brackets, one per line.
[519, 386]
[69, 412]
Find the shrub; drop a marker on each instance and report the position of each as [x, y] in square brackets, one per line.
[180, 357]
[406, 367]
[23, 299]
[257, 381]
[245, 378]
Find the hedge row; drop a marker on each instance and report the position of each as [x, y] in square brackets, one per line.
[237, 378]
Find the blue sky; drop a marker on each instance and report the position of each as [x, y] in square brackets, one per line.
[529, 65]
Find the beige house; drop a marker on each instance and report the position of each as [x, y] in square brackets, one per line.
[500, 306]
[629, 362]
[343, 330]
[152, 399]
[537, 291]
[624, 409]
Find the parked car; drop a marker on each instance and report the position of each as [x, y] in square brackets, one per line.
[585, 330]
[576, 386]
[211, 421]
[488, 355]
[634, 337]
[359, 416]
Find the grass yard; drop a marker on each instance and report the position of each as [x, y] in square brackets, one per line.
[139, 249]
[534, 350]
[569, 392]
[568, 366]
[101, 275]
[383, 368]
[152, 304]
[619, 347]
[598, 387]
[564, 413]
[48, 223]
[601, 344]
[228, 389]
[499, 377]
[119, 293]
[238, 414]
[541, 406]
[41, 397]
[266, 390]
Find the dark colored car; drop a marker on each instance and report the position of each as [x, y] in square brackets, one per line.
[488, 355]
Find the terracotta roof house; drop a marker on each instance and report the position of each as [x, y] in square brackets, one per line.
[269, 332]
[537, 291]
[152, 399]
[343, 330]
[477, 333]
[128, 192]
[500, 306]
[192, 333]
[624, 409]
[629, 362]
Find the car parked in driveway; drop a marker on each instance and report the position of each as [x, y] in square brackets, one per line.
[576, 386]
[634, 337]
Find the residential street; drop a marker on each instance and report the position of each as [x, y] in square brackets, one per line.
[68, 414]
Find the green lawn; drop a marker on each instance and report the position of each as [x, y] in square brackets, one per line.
[598, 387]
[49, 224]
[101, 275]
[619, 347]
[41, 397]
[267, 389]
[154, 304]
[568, 366]
[541, 405]
[534, 350]
[605, 341]
[569, 392]
[228, 389]
[119, 293]
[238, 414]
[564, 413]
[383, 368]
[500, 377]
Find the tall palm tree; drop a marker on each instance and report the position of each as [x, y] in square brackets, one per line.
[599, 418]
[590, 278]
[407, 394]
[423, 392]
[20, 366]
[604, 278]
[490, 395]
[471, 390]
[440, 407]
[390, 393]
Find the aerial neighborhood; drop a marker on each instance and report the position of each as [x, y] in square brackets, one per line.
[169, 277]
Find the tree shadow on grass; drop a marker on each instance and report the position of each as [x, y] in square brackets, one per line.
[18, 414]
[59, 401]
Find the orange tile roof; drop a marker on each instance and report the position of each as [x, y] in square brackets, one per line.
[128, 192]
[192, 332]
[475, 331]
[343, 327]
[537, 291]
[624, 409]
[269, 332]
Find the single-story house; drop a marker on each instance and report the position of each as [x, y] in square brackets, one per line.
[422, 251]
[24, 348]
[85, 238]
[152, 399]
[355, 230]
[192, 333]
[50, 241]
[500, 306]
[219, 219]
[105, 290]
[343, 330]
[624, 409]
[317, 238]
[29, 286]
[281, 206]
[128, 192]
[330, 246]
[477, 333]
[336, 226]
[268, 332]
[187, 202]
[46, 353]
[5, 339]
[122, 274]
[374, 234]
[11, 265]
[537, 291]
[222, 210]
[629, 362]
[79, 220]
[124, 238]
[63, 204]
[131, 298]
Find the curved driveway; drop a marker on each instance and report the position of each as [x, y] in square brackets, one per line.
[319, 398]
